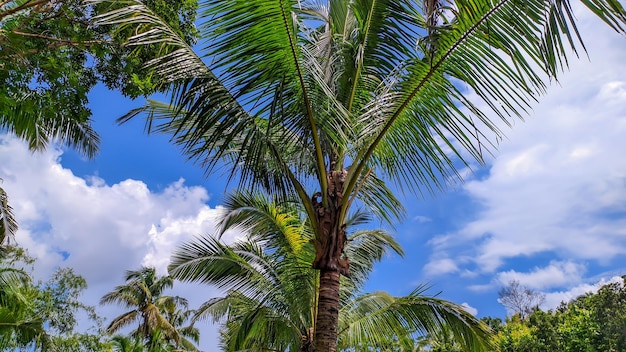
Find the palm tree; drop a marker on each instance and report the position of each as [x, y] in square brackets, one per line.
[329, 100]
[8, 225]
[178, 314]
[272, 287]
[143, 295]
[20, 325]
[156, 343]
[121, 343]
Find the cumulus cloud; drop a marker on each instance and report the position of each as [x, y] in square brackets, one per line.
[440, 266]
[556, 274]
[70, 221]
[554, 299]
[100, 230]
[473, 311]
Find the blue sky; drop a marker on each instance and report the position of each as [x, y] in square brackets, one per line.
[548, 210]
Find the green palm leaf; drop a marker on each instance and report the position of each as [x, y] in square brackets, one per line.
[372, 318]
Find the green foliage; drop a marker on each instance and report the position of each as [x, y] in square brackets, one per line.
[43, 316]
[590, 323]
[50, 58]
[59, 299]
[271, 286]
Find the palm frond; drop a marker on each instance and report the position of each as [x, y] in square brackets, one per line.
[263, 218]
[31, 119]
[216, 308]
[373, 318]
[504, 51]
[177, 60]
[122, 321]
[243, 267]
[373, 192]
[364, 249]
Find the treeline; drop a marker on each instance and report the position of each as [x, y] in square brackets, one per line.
[49, 316]
[594, 322]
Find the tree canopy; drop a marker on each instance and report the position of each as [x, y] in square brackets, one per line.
[51, 56]
[593, 322]
[43, 316]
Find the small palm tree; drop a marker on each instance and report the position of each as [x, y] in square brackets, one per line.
[8, 225]
[272, 288]
[143, 294]
[20, 325]
[121, 343]
[179, 314]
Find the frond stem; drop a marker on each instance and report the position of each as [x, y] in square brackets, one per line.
[359, 67]
[321, 167]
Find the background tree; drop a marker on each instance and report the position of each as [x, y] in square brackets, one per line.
[143, 295]
[593, 322]
[8, 225]
[271, 286]
[51, 57]
[519, 299]
[601, 317]
[44, 316]
[328, 100]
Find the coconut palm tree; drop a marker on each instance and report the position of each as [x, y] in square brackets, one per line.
[143, 295]
[20, 325]
[121, 343]
[156, 343]
[329, 100]
[272, 287]
[179, 314]
[8, 225]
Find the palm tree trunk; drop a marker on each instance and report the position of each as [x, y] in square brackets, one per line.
[327, 312]
[329, 259]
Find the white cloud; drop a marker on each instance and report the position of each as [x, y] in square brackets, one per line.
[473, 311]
[556, 274]
[100, 230]
[422, 219]
[554, 299]
[558, 184]
[440, 266]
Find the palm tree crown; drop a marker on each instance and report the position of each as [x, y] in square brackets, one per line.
[272, 288]
[143, 295]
